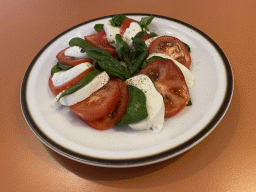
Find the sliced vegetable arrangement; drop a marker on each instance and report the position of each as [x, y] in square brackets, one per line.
[123, 74]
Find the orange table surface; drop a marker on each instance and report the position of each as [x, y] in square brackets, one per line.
[224, 161]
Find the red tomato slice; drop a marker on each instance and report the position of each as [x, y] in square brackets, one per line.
[145, 37]
[99, 104]
[91, 37]
[126, 24]
[114, 117]
[170, 83]
[100, 41]
[69, 84]
[71, 61]
[172, 47]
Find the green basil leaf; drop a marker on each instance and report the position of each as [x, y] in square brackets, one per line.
[153, 34]
[87, 79]
[189, 103]
[111, 41]
[117, 20]
[106, 62]
[122, 48]
[55, 69]
[145, 21]
[96, 53]
[59, 67]
[140, 33]
[113, 68]
[63, 66]
[151, 59]
[77, 41]
[187, 46]
[137, 109]
[98, 27]
[137, 55]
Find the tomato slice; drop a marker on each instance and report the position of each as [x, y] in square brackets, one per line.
[91, 37]
[99, 104]
[69, 84]
[100, 40]
[114, 117]
[170, 83]
[145, 37]
[126, 24]
[71, 61]
[172, 47]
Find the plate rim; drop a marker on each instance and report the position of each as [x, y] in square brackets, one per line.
[134, 162]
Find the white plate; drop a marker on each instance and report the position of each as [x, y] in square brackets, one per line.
[63, 132]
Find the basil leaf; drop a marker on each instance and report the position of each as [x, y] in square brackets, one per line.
[122, 48]
[117, 20]
[63, 66]
[106, 62]
[151, 59]
[59, 67]
[113, 68]
[187, 46]
[137, 109]
[87, 79]
[55, 69]
[98, 27]
[140, 33]
[145, 21]
[153, 34]
[111, 41]
[137, 55]
[77, 41]
[143, 32]
[189, 103]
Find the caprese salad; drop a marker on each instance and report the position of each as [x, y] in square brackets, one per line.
[123, 74]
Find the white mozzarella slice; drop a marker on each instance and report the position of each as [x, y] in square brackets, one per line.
[98, 82]
[111, 32]
[154, 103]
[150, 40]
[62, 77]
[75, 51]
[130, 32]
[186, 72]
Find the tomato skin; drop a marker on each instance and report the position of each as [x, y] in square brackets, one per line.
[71, 61]
[170, 83]
[57, 89]
[126, 24]
[114, 117]
[99, 104]
[100, 40]
[145, 37]
[172, 47]
[91, 37]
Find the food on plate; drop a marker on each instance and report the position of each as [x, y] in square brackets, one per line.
[170, 83]
[123, 74]
[63, 80]
[172, 47]
[70, 60]
[154, 104]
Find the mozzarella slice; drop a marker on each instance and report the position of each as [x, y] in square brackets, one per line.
[75, 51]
[111, 32]
[130, 32]
[63, 77]
[149, 41]
[98, 82]
[186, 72]
[154, 103]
